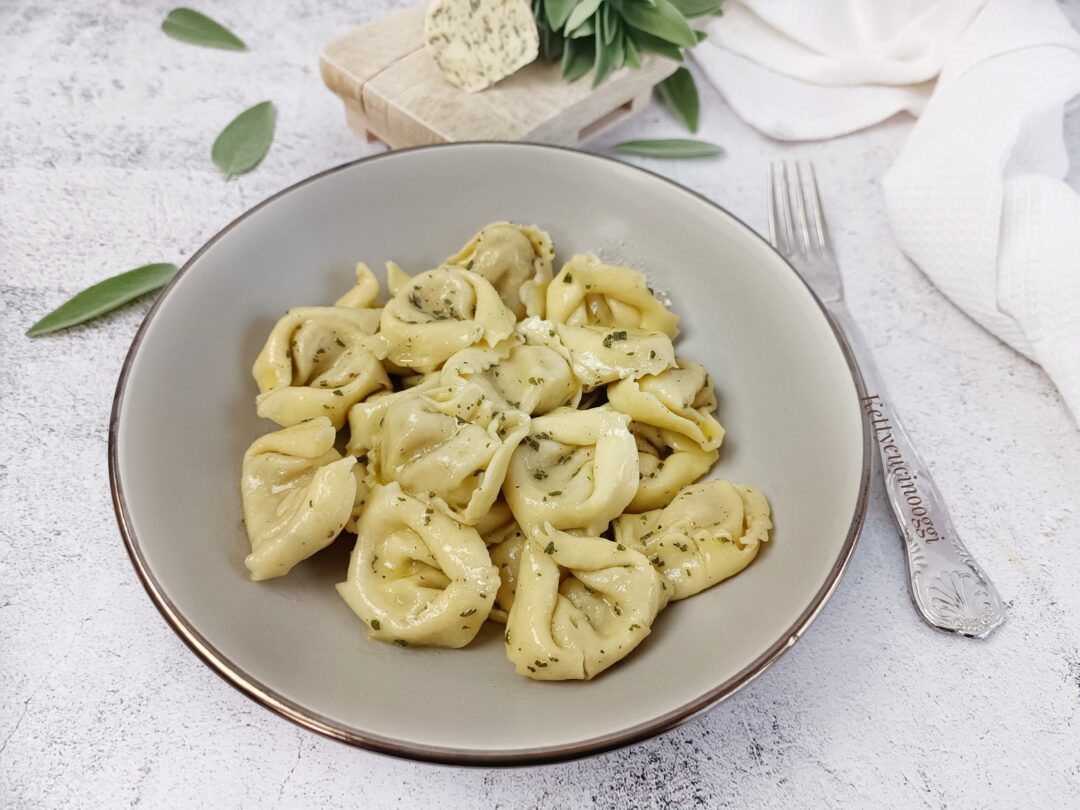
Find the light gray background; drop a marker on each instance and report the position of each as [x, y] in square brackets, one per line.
[105, 130]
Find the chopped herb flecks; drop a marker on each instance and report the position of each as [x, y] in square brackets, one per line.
[612, 337]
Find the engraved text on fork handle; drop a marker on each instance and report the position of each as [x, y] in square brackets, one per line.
[948, 586]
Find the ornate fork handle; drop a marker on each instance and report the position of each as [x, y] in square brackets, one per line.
[949, 588]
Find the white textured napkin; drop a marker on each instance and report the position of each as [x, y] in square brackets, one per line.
[976, 197]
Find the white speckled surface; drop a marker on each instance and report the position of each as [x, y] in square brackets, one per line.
[105, 129]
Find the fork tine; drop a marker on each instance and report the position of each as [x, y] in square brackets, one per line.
[800, 212]
[772, 205]
[819, 217]
[786, 207]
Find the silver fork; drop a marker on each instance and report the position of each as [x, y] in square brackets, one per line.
[949, 588]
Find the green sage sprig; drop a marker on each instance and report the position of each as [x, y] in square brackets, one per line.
[604, 35]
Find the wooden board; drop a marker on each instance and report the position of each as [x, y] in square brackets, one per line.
[394, 92]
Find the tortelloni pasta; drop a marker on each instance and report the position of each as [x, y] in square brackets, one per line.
[495, 523]
[447, 444]
[589, 292]
[297, 492]
[438, 313]
[680, 399]
[581, 605]
[711, 531]
[365, 293]
[502, 425]
[516, 259]
[575, 470]
[600, 355]
[517, 375]
[363, 490]
[667, 462]
[504, 539]
[318, 361]
[416, 576]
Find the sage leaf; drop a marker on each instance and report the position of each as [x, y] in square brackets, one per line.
[577, 58]
[618, 49]
[630, 51]
[662, 20]
[647, 42]
[586, 29]
[104, 296]
[697, 8]
[612, 23]
[611, 58]
[188, 25]
[669, 148]
[583, 11]
[680, 94]
[551, 41]
[244, 142]
[558, 11]
[604, 61]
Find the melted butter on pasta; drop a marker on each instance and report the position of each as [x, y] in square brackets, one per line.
[417, 576]
[711, 531]
[448, 444]
[297, 494]
[318, 361]
[589, 292]
[575, 470]
[680, 399]
[365, 293]
[517, 374]
[440, 312]
[516, 259]
[600, 355]
[581, 604]
[667, 462]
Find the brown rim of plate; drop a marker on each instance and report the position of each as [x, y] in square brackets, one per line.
[453, 756]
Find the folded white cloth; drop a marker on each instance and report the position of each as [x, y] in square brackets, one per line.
[976, 197]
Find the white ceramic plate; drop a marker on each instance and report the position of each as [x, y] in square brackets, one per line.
[184, 414]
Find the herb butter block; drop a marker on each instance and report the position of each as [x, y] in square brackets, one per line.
[477, 42]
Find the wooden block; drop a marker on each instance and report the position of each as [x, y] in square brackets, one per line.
[393, 91]
[349, 62]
